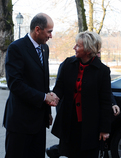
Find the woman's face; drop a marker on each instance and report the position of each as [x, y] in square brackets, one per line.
[79, 49]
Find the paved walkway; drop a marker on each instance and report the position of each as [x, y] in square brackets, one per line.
[3, 96]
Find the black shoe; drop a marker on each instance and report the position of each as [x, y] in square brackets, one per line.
[52, 152]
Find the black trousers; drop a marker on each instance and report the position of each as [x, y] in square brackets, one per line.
[19, 145]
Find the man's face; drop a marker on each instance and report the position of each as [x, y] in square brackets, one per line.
[44, 35]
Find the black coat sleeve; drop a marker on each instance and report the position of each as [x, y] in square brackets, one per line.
[113, 99]
[105, 100]
[59, 86]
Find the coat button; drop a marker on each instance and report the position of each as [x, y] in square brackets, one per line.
[78, 79]
[77, 104]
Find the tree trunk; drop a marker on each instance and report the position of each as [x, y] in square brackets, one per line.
[6, 31]
[81, 15]
[90, 26]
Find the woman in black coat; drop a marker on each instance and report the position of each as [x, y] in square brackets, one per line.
[83, 85]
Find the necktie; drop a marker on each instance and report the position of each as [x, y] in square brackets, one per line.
[39, 52]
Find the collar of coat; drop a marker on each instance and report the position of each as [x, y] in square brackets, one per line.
[96, 62]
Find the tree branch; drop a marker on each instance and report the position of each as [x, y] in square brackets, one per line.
[104, 14]
[15, 2]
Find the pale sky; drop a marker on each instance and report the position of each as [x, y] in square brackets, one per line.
[63, 12]
[59, 12]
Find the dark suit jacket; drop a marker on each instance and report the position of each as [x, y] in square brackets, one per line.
[28, 81]
[96, 101]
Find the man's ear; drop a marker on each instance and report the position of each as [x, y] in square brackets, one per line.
[37, 30]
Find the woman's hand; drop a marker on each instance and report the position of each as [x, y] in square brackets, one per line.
[116, 110]
[104, 136]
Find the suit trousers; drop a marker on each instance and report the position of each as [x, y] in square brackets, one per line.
[20, 145]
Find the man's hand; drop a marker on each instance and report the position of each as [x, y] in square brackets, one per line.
[52, 99]
[56, 100]
[116, 110]
[104, 136]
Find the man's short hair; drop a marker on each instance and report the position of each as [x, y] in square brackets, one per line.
[38, 20]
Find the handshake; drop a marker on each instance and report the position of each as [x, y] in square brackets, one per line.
[52, 99]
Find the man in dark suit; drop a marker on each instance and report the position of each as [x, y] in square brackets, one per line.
[27, 113]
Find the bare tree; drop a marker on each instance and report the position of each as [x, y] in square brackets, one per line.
[61, 46]
[90, 25]
[81, 15]
[6, 30]
[95, 24]
[94, 7]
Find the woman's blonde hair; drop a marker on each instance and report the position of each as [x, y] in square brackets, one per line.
[91, 41]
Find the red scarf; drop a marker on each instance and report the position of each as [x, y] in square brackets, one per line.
[77, 94]
[78, 88]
